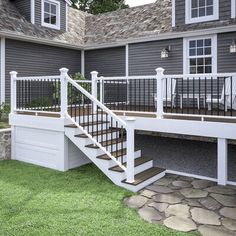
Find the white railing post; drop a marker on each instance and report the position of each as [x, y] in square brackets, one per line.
[130, 149]
[64, 92]
[94, 76]
[159, 94]
[13, 91]
[101, 89]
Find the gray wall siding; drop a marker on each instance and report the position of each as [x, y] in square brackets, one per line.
[108, 62]
[144, 58]
[194, 157]
[24, 8]
[224, 11]
[30, 59]
[63, 13]
[226, 60]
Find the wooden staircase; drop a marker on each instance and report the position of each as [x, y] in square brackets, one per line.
[109, 137]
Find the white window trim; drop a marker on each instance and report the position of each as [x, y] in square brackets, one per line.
[58, 14]
[186, 51]
[189, 20]
[233, 8]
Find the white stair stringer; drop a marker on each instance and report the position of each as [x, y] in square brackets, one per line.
[105, 165]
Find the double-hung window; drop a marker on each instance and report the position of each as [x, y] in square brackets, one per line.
[200, 55]
[201, 10]
[51, 14]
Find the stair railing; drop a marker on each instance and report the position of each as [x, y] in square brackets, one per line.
[72, 108]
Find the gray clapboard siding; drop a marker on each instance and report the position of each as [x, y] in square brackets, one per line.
[224, 11]
[23, 7]
[226, 60]
[144, 58]
[30, 59]
[108, 62]
[62, 13]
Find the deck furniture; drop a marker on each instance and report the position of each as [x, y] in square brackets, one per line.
[228, 95]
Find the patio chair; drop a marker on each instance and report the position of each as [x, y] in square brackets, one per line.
[226, 96]
[169, 94]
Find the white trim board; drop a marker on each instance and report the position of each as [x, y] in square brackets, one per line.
[32, 11]
[82, 63]
[2, 75]
[233, 8]
[173, 13]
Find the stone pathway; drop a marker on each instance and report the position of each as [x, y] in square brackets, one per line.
[188, 205]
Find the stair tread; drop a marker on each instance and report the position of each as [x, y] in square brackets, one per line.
[117, 154]
[107, 143]
[87, 124]
[137, 162]
[95, 133]
[145, 175]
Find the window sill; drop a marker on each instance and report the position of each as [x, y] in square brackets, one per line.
[51, 26]
[201, 19]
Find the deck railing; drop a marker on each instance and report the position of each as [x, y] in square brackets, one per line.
[73, 101]
[201, 95]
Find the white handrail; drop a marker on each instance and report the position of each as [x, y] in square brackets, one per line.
[99, 104]
[178, 76]
[42, 78]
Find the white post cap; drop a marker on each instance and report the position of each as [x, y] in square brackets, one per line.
[64, 70]
[160, 70]
[13, 73]
[94, 73]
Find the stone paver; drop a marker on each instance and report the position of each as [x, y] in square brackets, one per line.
[210, 203]
[188, 204]
[164, 181]
[206, 217]
[193, 193]
[149, 214]
[180, 210]
[160, 189]
[193, 203]
[225, 200]
[147, 193]
[180, 224]
[135, 201]
[168, 198]
[161, 207]
[228, 212]
[181, 184]
[221, 190]
[214, 231]
[202, 184]
[229, 224]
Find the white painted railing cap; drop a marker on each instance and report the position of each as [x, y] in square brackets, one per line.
[64, 70]
[160, 70]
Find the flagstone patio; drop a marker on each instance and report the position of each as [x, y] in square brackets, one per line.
[187, 204]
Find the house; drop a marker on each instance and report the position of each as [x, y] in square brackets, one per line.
[194, 41]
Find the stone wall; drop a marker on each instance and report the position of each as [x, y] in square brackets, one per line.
[5, 144]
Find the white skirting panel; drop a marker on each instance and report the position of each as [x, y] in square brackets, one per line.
[41, 147]
[50, 149]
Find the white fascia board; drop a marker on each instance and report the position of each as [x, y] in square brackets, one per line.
[68, 2]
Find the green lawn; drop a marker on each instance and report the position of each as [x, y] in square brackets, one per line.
[37, 201]
[4, 125]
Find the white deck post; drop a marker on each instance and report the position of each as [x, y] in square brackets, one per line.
[64, 91]
[13, 91]
[222, 163]
[101, 89]
[130, 149]
[159, 96]
[94, 76]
